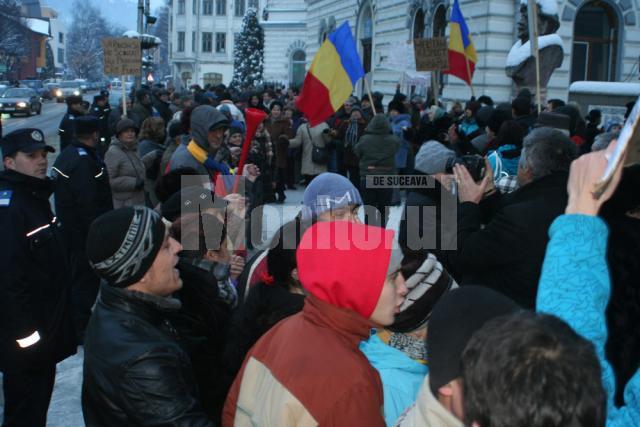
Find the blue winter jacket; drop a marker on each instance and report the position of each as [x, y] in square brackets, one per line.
[397, 124]
[401, 376]
[575, 286]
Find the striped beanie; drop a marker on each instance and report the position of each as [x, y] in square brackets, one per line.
[123, 243]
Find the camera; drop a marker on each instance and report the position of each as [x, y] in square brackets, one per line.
[475, 165]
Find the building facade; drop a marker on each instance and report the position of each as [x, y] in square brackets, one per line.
[601, 40]
[201, 39]
[58, 40]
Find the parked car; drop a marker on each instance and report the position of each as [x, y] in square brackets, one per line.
[66, 89]
[84, 86]
[20, 100]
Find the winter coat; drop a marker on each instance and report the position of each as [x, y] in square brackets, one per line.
[504, 161]
[35, 282]
[401, 376]
[67, 128]
[349, 157]
[280, 132]
[147, 378]
[163, 109]
[468, 126]
[147, 146]
[507, 253]
[126, 175]
[398, 124]
[427, 411]
[140, 113]
[202, 323]
[166, 157]
[201, 121]
[575, 286]
[426, 223]
[307, 371]
[307, 137]
[82, 192]
[377, 148]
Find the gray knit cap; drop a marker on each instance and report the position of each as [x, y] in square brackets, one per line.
[432, 158]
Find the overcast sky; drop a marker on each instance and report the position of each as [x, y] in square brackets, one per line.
[123, 12]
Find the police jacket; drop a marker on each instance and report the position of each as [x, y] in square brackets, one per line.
[102, 114]
[67, 129]
[82, 191]
[135, 371]
[35, 298]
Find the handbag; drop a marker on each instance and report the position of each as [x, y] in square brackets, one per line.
[319, 155]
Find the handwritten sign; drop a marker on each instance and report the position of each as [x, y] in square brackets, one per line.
[431, 54]
[122, 56]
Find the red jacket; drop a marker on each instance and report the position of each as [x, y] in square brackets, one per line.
[308, 371]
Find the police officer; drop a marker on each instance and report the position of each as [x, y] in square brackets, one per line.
[100, 110]
[82, 193]
[66, 130]
[36, 328]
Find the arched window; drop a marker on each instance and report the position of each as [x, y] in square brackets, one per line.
[418, 25]
[595, 43]
[439, 21]
[365, 34]
[298, 67]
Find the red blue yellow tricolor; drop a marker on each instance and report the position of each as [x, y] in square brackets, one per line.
[330, 80]
[462, 54]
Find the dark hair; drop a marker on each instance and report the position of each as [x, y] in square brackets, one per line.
[546, 151]
[185, 119]
[556, 103]
[171, 182]
[484, 99]
[205, 231]
[510, 133]
[497, 118]
[521, 106]
[533, 370]
[281, 259]
[278, 103]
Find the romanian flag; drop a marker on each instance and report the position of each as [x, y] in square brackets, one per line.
[462, 54]
[334, 72]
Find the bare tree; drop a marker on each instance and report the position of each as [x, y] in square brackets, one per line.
[14, 34]
[161, 30]
[84, 43]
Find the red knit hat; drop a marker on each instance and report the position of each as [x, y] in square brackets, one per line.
[345, 264]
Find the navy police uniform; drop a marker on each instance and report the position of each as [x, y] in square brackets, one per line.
[102, 114]
[36, 328]
[67, 129]
[82, 193]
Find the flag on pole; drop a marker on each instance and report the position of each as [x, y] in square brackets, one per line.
[330, 80]
[462, 54]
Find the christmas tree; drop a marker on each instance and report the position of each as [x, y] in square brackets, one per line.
[248, 53]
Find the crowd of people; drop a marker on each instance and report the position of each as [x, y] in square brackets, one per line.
[506, 296]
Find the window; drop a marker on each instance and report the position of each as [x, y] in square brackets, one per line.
[181, 7]
[221, 7]
[298, 67]
[418, 25]
[194, 7]
[239, 8]
[60, 55]
[221, 42]
[253, 4]
[193, 41]
[60, 37]
[207, 7]
[206, 42]
[595, 43]
[180, 41]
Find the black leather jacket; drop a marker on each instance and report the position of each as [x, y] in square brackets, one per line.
[135, 372]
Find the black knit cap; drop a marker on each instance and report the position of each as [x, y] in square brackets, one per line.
[123, 243]
[455, 318]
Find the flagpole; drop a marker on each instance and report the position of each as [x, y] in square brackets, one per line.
[466, 60]
[533, 42]
[368, 89]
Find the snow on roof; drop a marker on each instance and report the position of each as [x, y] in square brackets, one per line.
[606, 88]
[521, 52]
[548, 7]
[40, 26]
